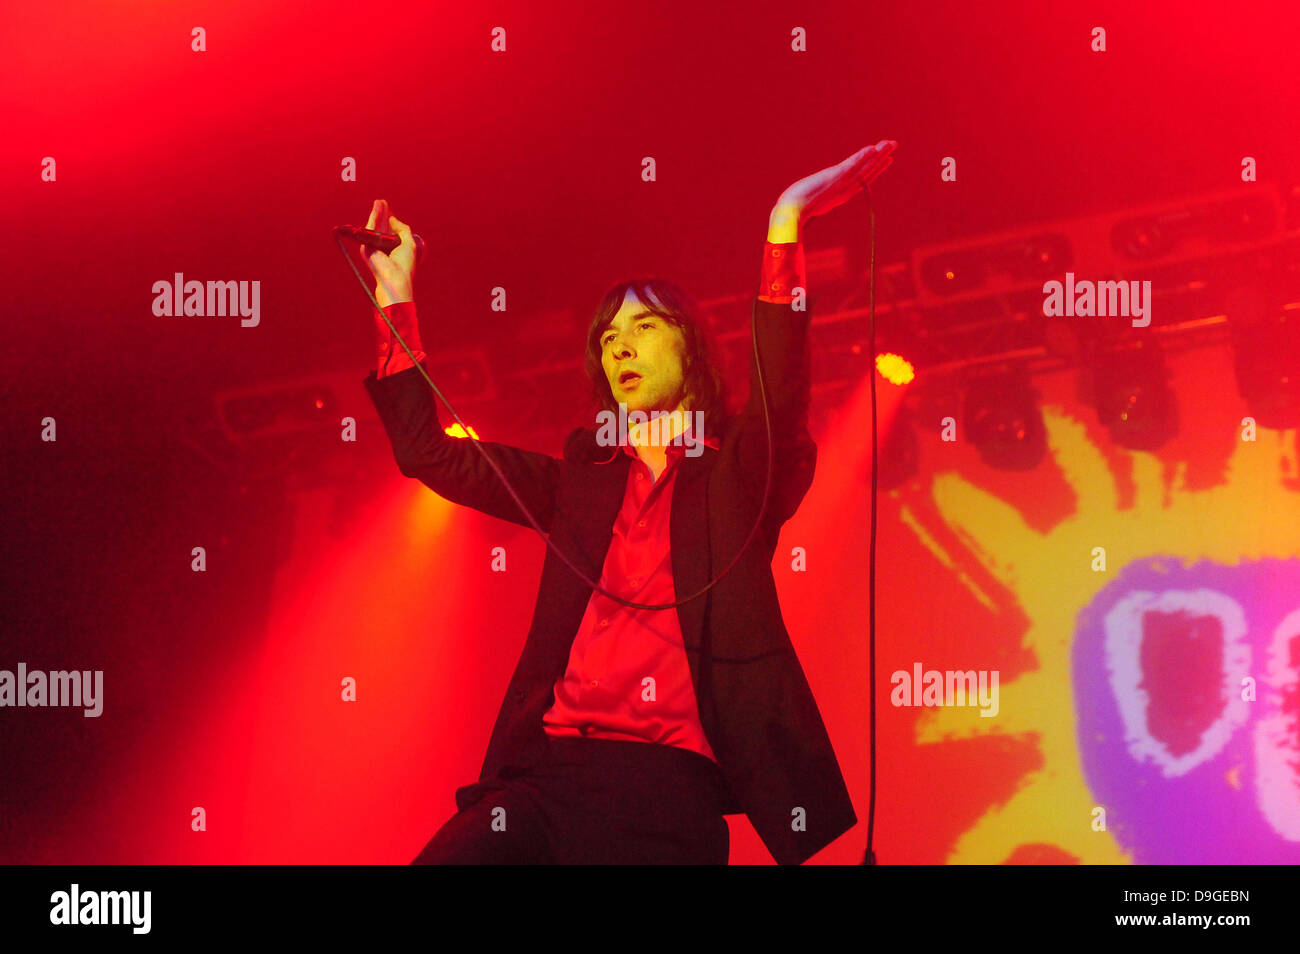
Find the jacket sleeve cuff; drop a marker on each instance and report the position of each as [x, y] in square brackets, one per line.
[784, 270]
[392, 356]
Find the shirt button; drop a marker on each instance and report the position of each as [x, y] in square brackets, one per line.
[640, 476]
[604, 622]
[593, 683]
[640, 523]
[776, 286]
[634, 581]
[776, 253]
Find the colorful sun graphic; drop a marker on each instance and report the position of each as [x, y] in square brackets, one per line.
[1167, 688]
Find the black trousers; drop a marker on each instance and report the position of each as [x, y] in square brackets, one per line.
[591, 801]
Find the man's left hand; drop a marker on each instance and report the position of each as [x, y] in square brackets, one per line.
[822, 191]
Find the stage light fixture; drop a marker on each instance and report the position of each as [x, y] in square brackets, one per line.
[1002, 418]
[1040, 257]
[895, 369]
[1146, 237]
[1267, 365]
[955, 271]
[1132, 397]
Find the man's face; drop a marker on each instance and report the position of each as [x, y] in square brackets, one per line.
[641, 342]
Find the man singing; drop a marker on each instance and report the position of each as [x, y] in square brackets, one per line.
[627, 734]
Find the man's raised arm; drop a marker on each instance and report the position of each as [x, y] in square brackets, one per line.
[450, 466]
[783, 316]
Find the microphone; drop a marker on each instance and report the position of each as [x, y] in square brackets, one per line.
[369, 238]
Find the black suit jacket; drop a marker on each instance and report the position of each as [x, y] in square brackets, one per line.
[755, 705]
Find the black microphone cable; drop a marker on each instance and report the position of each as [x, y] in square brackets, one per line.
[870, 857]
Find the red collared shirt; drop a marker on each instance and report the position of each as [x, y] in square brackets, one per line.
[627, 677]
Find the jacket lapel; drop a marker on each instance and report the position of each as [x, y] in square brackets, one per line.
[688, 534]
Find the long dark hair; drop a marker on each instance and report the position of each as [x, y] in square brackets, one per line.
[704, 385]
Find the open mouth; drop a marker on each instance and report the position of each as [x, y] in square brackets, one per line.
[628, 379]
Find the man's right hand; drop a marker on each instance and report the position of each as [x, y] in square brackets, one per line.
[395, 270]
